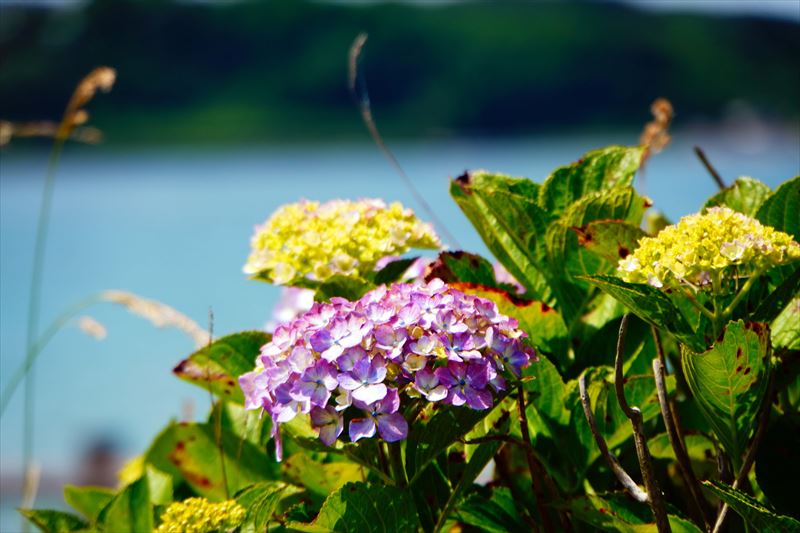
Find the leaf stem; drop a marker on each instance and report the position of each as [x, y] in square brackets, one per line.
[726, 313]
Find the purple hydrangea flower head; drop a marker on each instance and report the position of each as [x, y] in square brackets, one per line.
[359, 361]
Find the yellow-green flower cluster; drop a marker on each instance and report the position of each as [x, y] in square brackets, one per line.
[700, 247]
[310, 241]
[198, 515]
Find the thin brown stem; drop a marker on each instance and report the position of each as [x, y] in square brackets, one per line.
[627, 482]
[358, 89]
[684, 463]
[654, 496]
[711, 170]
[749, 459]
[536, 485]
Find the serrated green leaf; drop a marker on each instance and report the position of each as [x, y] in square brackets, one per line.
[597, 170]
[611, 240]
[745, 195]
[189, 452]
[572, 261]
[130, 511]
[781, 209]
[88, 501]
[262, 501]
[779, 298]
[651, 305]
[756, 514]
[777, 468]
[217, 367]
[729, 381]
[50, 521]
[505, 212]
[363, 507]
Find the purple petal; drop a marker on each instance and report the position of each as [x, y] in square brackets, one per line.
[456, 397]
[321, 340]
[369, 394]
[478, 375]
[478, 399]
[390, 403]
[350, 357]
[377, 370]
[329, 434]
[300, 358]
[361, 428]
[332, 353]
[348, 382]
[445, 376]
[437, 393]
[392, 427]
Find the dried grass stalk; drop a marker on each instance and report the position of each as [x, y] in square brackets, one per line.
[92, 327]
[655, 135]
[159, 314]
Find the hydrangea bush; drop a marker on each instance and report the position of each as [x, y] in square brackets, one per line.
[598, 376]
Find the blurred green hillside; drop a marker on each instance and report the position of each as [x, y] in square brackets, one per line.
[249, 72]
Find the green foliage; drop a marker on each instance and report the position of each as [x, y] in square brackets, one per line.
[777, 469]
[262, 501]
[755, 513]
[363, 507]
[729, 380]
[497, 512]
[131, 510]
[88, 501]
[217, 367]
[617, 512]
[746, 195]
[781, 209]
[53, 521]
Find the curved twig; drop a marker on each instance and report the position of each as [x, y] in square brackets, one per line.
[684, 463]
[711, 170]
[627, 482]
[634, 414]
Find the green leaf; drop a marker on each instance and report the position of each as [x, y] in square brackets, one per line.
[781, 209]
[570, 260]
[392, 272]
[498, 513]
[189, 452]
[745, 195]
[778, 299]
[777, 468]
[446, 425]
[543, 324]
[617, 512]
[262, 501]
[160, 486]
[506, 214]
[53, 521]
[342, 286]
[611, 240]
[453, 267]
[729, 381]
[130, 511]
[320, 478]
[785, 333]
[248, 424]
[598, 170]
[218, 366]
[699, 447]
[88, 501]
[651, 305]
[363, 507]
[758, 516]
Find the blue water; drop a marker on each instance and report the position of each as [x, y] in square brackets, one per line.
[175, 226]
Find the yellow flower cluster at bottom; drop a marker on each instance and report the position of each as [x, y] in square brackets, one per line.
[198, 515]
[702, 246]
